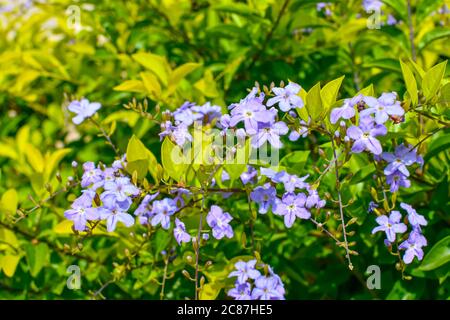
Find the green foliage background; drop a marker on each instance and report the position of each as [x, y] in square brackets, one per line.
[171, 51]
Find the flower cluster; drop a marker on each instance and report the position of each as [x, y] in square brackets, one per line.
[107, 195]
[260, 121]
[392, 226]
[396, 170]
[292, 204]
[252, 285]
[373, 114]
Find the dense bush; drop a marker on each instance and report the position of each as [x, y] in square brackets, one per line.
[105, 104]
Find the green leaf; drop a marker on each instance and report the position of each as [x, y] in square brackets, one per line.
[314, 102]
[151, 84]
[180, 73]
[432, 80]
[8, 263]
[400, 7]
[141, 159]
[445, 95]
[210, 291]
[207, 85]
[53, 161]
[385, 64]
[37, 257]
[330, 92]
[295, 160]
[367, 91]
[426, 7]
[9, 202]
[131, 86]
[173, 160]
[433, 35]
[156, 64]
[437, 256]
[410, 83]
[34, 157]
[437, 145]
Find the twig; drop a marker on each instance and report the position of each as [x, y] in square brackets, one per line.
[341, 211]
[105, 135]
[411, 31]
[197, 249]
[270, 34]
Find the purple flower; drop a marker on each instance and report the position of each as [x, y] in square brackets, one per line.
[290, 181]
[84, 109]
[144, 210]
[413, 246]
[85, 200]
[347, 111]
[397, 180]
[372, 5]
[162, 210]
[301, 131]
[372, 206]
[121, 188]
[390, 225]
[208, 112]
[244, 271]
[80, 214]
[286, 97]
[278, 283]
[180, 233]
[185, 115]
[383, 107]
[250, 97]
[249, 175]
[119, 164]
[180, 134]
[219, 222]
[391, 21]
[414, 218]
[313, 200]
[364, 136]
[251, 112]
[240, 292]
[292, 206]
[166, 129]
[269, 132]
[180, 192]
[266, 288]
[402, 157]
[91, 175]
[265, 196]
[112, 215]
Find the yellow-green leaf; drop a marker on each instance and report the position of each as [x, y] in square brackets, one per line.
[180, 73]
[156, 64]
[9, 201]
[432, 80]
[173, 160]
[210, 291]
[330, 92]
[410, 82]
[314, 102]
[151, 84]
[131, 86]
[34, 157]
[137, 157]
[53, 161]
[8, 263]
